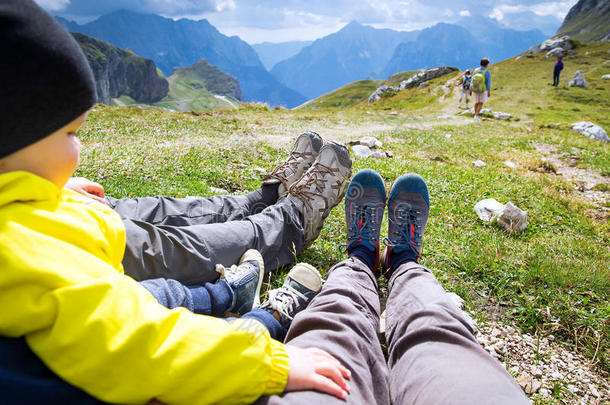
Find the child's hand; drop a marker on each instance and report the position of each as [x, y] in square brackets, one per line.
[87, 188]
[313, 368]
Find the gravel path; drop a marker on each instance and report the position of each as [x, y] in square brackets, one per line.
[547, 372]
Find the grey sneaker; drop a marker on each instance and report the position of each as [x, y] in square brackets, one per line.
[245, 279]
[304, 153]
[322, 187]
[302, 283]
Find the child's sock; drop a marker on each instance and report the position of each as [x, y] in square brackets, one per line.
[397, 259]
[365, 255]
[213, 299]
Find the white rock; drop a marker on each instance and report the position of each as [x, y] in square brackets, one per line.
[510, 164]
[594, 391]
[556, 375]
[502, 116]
[371, 142]
[478, 163]
[486, 110]
[591, 130]
[379, 155]
[578, 80]
[553, 43]
[487, 209]
[362, 151]
[446, 117]
[512, 219]
[448, 136]
[557, 52]
[606, 77]
[217, 190]
[423, 84]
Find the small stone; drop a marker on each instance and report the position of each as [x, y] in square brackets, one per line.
[371, 142]
[544, 392]
[478, 163]
[502, 116]
[591, 130]
[217, 190]
[487, 209]
[389, 153]
[393, 113]
[500, 347]
[448, 136]
[536, 372]
[594, 391]
[512, 218]
[578, 80]
[556, 376]
[510, 164]
[446, 117]
[379, 155]
[606, 77]
[259, 170]
[362, 151]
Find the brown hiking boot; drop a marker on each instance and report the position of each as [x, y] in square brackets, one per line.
[304, 153]
[322, 187]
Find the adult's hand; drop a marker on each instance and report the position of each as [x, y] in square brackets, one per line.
[313, 368]
[87, 188]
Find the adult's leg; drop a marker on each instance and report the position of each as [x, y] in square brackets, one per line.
[434, 357]
[193, 210]
[190, 253]
[343, 319]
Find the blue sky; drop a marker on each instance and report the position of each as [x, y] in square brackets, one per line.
[286, 20]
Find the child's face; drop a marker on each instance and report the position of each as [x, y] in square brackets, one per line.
[54, 157]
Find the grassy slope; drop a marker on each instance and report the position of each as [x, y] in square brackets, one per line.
[193, 88]
[553, 278]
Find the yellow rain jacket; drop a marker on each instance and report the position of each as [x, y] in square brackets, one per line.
[62, 287]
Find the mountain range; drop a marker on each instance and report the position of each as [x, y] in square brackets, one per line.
[271, 53]
[183, 42]
[360, 52]
[354, 52]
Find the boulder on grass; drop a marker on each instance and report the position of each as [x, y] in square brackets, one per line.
[591, 130]
[578, 80]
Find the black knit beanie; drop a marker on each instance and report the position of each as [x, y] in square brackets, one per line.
[45, 80]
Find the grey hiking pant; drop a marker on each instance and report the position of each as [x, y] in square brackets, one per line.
[184, 238]
[434, 357]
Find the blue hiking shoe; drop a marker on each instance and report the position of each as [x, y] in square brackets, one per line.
[364, 206]
[302, 283]
[408, 208]
[245, 280]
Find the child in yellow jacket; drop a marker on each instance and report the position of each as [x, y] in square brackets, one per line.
[62, 286]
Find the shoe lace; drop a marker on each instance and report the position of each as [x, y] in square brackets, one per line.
[363, 225]
[292, 163]
[316, 175]
[407, 227]
[232, 273]
[284, 300]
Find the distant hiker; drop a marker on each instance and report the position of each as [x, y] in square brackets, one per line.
[464, 84]
[480, 86]
[557, 71]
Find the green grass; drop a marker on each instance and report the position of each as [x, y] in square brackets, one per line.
[553, 278]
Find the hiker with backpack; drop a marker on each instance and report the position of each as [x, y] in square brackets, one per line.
[464, 84]
[481, 87]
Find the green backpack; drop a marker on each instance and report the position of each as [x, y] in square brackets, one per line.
[478, 82]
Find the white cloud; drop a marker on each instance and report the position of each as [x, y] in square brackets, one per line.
[53, 5]
[465, 13]
[557, 9]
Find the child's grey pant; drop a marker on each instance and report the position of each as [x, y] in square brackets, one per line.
[184, 238]
[433, 356]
